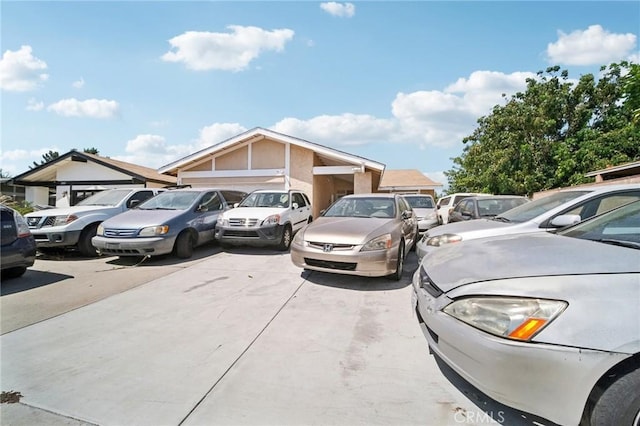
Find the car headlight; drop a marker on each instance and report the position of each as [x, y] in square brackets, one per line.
[440, 240]
[299, 238]
[63, 220]
[100, 230]
[222, 221]
[508, 317]
[152, 231]
[274, 219]
[383, 242]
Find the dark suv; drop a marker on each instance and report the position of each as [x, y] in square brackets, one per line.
[18, 245]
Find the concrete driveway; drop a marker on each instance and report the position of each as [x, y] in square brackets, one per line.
[229, 338]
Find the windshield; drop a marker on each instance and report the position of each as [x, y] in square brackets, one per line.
[171, 200]
[621, 225]
[266, 199]
[111, 197]
[362, 207]
[537, 207]
[420, 202]
[494, 206]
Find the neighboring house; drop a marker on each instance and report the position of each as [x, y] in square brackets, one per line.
[264, 159]
[623, 173]
[16, 192]
[408, 181]
[76, 175]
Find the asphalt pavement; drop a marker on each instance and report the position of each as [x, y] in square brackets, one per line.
[239, 337]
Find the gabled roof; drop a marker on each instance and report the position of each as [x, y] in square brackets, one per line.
[408, 179]
[47, 171]
[259, 133]
[622, 170]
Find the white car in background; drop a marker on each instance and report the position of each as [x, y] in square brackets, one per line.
[448, 202]
[560, 209]
[265, 217]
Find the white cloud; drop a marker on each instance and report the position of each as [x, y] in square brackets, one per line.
[342, 10]
[12, 161]
[20, 71]
[216, 133]
[232, 51]
[152, 151]
[34, 105]
[593, 46]
[79, 84]
[93, 108]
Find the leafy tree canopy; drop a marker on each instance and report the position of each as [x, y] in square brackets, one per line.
[553, 133]
[49, 156]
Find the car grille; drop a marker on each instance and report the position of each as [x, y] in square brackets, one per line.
[36, 222]
[243, 222]
[339, 266]
[120, 233]
[334, 247]
[240, 234]
[124, 251]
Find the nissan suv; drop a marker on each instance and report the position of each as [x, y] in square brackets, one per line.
[265, 217]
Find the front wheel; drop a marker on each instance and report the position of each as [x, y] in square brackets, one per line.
[285, 240]
[619, 404]
[84, 243]
[400, 263]
[184, 245]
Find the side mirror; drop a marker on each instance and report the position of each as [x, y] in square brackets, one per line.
[294, 206]
[407, 214]
[465, 214]
[203, 208]
[235, 205]
[133, 203]
[565, 220]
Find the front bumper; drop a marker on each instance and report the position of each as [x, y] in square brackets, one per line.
[548, 381]
[375, 263]
[425, 224]
[152, 246]
[262, 235]
[55, 237]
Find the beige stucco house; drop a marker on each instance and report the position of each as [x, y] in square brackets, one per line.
[263, 159]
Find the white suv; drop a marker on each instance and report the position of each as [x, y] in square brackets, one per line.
[265, 217]
[446, 204]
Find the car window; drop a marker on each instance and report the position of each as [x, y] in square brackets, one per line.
[542, 205]
[139, 197]
[171, 200]
[420, 202]
[109, 197]
[298, 198]
[233, 197]
[443, 201]
[603, 204]
[619, 225]
[459, 198]
[211, 201]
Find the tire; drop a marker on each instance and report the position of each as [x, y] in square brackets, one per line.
[619, 404]
[184, 245]
[397, 275]
[16, 272]
[285, 239]
[84, 242]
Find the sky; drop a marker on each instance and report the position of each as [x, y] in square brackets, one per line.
[397, 82]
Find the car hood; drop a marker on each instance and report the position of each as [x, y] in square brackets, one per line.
[422, 212]
[346, 230]
[530, 255]
[67, 211]
[137, 218]
[252, 212]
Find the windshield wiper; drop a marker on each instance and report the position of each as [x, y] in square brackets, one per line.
[501, 219]
[621, 243]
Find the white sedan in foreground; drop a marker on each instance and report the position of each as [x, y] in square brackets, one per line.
[545, 324]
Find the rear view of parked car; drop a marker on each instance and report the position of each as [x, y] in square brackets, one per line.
[485, 207]
[447, 203]
[424, 208]
[18, 245]
[364, 234]
[174, 221]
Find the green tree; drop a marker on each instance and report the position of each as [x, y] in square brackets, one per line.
[552, 134]
[92, 151]
[49, 156]
[4, 174]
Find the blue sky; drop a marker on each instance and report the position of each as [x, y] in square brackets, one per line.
[397, 82]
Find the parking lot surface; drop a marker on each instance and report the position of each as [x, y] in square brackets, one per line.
[228, 338]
